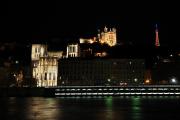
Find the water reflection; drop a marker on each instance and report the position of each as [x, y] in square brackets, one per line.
[90, 108]
[108, 101]
[136, 107]
[109, 110]
[30, 109]
[41, 109]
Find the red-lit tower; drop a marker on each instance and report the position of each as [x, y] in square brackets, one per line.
[157, 44]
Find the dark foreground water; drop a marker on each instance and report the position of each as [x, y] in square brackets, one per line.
[90, 108]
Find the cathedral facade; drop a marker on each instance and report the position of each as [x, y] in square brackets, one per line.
[107, 36]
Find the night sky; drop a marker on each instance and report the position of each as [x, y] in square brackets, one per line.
[58, 22]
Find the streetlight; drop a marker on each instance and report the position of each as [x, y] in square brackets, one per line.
[108, 81]
[173, 80]
[147, 81]
[135, 79]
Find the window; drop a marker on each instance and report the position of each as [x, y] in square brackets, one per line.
[54, 61]
[49, 76]
[35, 50]
[39, 49]
[73, 48]
[45, 77]
[54, 77]
[45, 61]
[70, 48]
[41, 61]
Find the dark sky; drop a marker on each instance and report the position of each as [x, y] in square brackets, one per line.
[61, 21]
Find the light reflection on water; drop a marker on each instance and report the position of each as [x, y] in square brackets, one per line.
[136, 107]
[90, 108]
[40, 108]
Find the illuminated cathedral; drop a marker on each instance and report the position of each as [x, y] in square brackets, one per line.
[107, 36]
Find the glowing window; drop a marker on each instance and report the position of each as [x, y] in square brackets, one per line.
[49, 76]
[54, 76]
[54, 61]
[39, 49]
[73, 49]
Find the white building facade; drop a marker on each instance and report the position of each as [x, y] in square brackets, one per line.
[73, 50]
[44, 65]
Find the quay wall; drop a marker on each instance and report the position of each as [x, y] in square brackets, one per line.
[89, 91]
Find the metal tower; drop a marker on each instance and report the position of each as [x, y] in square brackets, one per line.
[157, 44]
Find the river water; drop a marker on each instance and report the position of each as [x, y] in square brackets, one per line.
[90, 108]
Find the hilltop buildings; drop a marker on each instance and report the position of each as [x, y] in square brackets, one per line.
[107, 36]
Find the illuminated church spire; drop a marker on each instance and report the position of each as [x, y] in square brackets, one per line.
[157, 44]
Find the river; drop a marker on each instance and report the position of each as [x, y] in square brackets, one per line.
[90, 108]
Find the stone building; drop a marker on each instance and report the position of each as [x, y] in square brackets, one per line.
[45, 65]
[101, 71]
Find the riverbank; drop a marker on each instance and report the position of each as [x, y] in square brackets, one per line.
[22, 92]
[63, 91]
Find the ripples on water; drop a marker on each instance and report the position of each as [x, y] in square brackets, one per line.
[90, 108]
